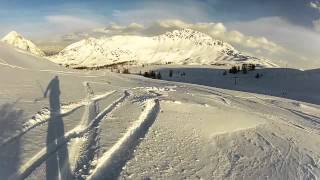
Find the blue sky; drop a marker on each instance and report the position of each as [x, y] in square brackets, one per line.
[291, 24]
[15, 13]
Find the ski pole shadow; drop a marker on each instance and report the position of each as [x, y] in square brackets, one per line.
[57, 164]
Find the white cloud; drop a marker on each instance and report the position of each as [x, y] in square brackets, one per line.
[151, 11]
[315, 5]
[301, 44]
[215, 30]
[114, 29]
[218, 31]
[67, 23]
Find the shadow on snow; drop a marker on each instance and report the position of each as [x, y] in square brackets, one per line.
[288, 83]
[57, 164]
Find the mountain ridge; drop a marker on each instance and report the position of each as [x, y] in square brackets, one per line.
[184, 46]
[17, 40]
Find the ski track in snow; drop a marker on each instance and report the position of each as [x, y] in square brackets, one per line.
[87, 145]
[78, 131]
[90, 124]
[70, 73]
[110, 164]
[5, 63]
[66, 73]
[44, 115]
[307, 122]
[312, 122]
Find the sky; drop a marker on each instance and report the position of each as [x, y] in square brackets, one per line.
[286, 31]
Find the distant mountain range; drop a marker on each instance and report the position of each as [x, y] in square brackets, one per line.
[185, 47]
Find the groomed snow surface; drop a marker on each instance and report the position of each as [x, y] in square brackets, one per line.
[60, 123]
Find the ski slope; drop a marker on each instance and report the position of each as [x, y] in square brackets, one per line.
[103, 125]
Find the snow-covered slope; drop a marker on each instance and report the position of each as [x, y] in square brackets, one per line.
[290, 83]
[183, 46]
[17, 40]
[58, 123]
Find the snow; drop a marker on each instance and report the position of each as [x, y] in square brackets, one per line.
[17, 40]
[245, 139]
[281, 82]
[117, 153]
[98, 124]
[183, 46]
[214, 126]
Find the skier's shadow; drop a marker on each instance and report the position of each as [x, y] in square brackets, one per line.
[57, 164]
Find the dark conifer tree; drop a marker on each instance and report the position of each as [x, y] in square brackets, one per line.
[170, 73]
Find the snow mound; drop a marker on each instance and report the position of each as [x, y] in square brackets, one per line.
[183, 46]
[17, 40]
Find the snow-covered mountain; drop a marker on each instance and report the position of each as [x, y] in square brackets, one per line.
[17, 40]
[183, 46]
